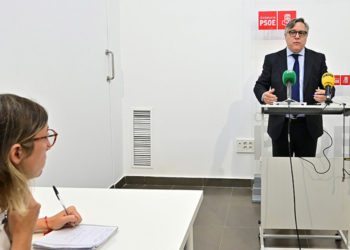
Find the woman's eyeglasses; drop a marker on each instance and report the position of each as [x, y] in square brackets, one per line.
[51, 137]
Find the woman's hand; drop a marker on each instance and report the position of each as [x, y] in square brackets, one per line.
[61, 220]
[21, 227]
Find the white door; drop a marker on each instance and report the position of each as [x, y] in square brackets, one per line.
[53, 51]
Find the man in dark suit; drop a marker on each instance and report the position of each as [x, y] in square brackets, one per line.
[310, 66]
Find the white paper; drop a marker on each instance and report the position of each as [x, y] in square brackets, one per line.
[81, 237]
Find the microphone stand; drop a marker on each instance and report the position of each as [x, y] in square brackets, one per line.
[289, 99]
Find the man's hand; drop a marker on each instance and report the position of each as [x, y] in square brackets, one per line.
[269, 97]
[319, 95]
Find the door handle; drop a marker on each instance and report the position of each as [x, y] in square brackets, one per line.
[107, 53]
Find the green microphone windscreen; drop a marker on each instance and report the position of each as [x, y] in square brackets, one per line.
[289, 76]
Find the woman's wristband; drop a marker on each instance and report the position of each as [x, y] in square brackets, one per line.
[49, 229]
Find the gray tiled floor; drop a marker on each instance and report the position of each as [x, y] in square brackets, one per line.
[228, 220]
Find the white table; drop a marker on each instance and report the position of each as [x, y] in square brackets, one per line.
[147, 219]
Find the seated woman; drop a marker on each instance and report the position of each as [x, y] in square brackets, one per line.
[24, 140]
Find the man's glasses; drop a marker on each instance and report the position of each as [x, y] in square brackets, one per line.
[51, 137]
[301, 33]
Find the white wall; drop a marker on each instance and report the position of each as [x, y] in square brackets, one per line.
[54, 53]
[195, 64]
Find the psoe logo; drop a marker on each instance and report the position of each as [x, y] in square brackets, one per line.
[267, 20]
[273, 20]
[345, 79]
[284, 17]
[342, 80]
[337, 80]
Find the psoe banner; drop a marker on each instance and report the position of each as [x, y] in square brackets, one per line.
[345, 79]
[337, 80]
[342, 80]
[275, 20]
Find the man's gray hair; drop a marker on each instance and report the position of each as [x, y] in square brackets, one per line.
[292, 23]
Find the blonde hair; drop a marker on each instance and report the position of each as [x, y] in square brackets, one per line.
[20, 120]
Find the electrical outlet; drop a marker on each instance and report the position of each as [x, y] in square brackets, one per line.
[245, 145]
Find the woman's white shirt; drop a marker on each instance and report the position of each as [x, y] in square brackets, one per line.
[4, 239]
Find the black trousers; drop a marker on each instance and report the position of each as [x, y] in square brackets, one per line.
[301, 143]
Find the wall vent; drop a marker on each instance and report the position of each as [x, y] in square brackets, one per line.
[142, 137]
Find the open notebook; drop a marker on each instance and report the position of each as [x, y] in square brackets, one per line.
[82, 237]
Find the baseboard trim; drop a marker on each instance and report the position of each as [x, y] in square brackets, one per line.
[182, 181]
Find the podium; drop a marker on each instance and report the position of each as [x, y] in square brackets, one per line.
[322, 200]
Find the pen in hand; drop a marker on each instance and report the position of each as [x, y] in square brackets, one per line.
[59, 199]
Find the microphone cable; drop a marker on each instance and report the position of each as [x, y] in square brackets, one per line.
[292, 174]
[325, 156]
[323, 151]
[344, 171]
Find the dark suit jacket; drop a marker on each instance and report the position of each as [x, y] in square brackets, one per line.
[271, 77]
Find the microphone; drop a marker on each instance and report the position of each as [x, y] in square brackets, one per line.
[289, 79]
[328, 83]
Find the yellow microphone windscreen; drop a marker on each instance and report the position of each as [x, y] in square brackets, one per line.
[328, 79]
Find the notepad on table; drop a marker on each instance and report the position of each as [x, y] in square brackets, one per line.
[82, 237]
